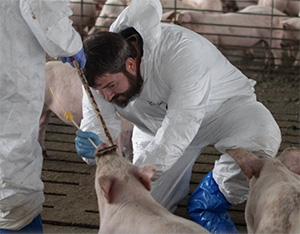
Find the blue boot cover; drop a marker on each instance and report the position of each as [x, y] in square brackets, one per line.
[35, 226]
[208, 207]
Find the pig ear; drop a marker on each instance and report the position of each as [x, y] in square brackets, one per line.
[106, 183]
[98, 7]
[171, 15]
[285, 24]
[248, 162]
[290, 157]
[145, 175]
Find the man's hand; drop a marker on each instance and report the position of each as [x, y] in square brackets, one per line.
[84, 147]
[79, 57]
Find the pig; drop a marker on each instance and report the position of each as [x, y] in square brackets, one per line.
[112, 8]
[84, 14]
[205, 6]
[61, 78]
[169, 5]
[273, 204]
[99, 2]
[110, 11]
[233, 6]
[240, 28]
[125, 203]
[66, 85]
[212, 6]
[291, 36]
[229, 6]
[290, 7]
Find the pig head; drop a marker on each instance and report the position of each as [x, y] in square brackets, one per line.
[273, 204]
[125, 203]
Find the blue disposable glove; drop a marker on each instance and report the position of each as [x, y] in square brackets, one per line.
[84, 147]
[79, 57]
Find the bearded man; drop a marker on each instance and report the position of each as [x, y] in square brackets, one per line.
[181, 94]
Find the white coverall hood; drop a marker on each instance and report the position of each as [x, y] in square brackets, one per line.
[28, 29]
[146, 21]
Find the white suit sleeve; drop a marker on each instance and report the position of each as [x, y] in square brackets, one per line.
[49, 22]
[190, 82]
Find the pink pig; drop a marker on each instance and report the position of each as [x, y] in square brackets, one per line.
[66, 85]
[291, 35]
[125, 203]
[290, 7]
[84, 13]
[240, 28]
[213, 6]
[273, 204]
[110, 11]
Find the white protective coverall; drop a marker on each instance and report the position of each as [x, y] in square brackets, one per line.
[192, 97]
[28, 29]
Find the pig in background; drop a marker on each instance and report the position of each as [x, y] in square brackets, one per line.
[240, 29]
[290, 7]
[110, 11]
[204, 6]
[84, 14]
[125, 203]
[208, 6]
[66, 85]
[291, 37]
[273, 204]
[168, 5]
[112, 8]
[236, 5]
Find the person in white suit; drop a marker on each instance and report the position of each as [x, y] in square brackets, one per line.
[181, 94]
[29, 29]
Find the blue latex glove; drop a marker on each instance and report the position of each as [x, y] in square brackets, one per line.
[79, 57]
[84, 147]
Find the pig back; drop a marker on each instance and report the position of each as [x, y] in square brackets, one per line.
[66, 85]
[274, 199]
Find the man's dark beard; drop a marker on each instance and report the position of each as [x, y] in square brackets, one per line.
[135, 88]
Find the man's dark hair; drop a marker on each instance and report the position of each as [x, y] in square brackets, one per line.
[106, 52]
